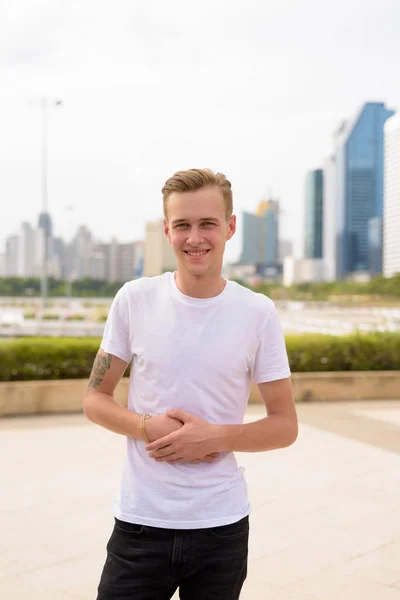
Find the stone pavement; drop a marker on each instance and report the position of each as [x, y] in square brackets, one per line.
[325, 521]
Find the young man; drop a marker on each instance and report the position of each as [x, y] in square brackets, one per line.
[196, 342]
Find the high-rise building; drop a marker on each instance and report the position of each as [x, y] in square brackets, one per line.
[45, 224]
[126, 262]
[359, 186]
[3, 270]
[58, 258]
[11, 255]
[261, 235]
[26, 254]
[375, 246]
[158, 254]
[98, 265]
[391, 219]
[329, 219]
[285, 249]
[252, 239]
[112, 272]
[313, 235]
[139, 258]
[80, 254]
[103, 261]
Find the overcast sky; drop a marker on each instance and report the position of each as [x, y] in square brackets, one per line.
[252, 88]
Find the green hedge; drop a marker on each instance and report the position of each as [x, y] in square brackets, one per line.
[72, 358]
[47, 358]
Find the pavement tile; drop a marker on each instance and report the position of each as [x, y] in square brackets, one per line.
[335, 584]
[16, 588]
[325, 523]
[63, 576]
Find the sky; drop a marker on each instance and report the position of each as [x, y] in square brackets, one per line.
[254, 89]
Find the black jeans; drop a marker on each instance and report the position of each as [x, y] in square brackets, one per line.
[149, 563]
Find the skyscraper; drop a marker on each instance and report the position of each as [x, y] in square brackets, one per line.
[252, 239]
[391, 219]
[261, 235]
[139, 257]
[11, 255]
[359, 187]
[158, 254]
[126, 261]
[313, 235]
[46, 225]
[329, 219]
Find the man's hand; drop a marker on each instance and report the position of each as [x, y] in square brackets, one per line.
[160, 426]
[196, 438]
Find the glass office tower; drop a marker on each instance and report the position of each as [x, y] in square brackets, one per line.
[261, 235]
[359, 187]
[313, 242]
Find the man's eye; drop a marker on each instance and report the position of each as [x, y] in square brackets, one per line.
[208, 224]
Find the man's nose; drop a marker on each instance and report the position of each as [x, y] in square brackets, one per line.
[195, 236]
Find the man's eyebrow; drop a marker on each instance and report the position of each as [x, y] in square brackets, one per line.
[178, 221]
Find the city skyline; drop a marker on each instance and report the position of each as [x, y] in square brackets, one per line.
[146, 93]
[83, 256]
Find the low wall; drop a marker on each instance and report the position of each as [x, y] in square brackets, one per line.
[44, 397]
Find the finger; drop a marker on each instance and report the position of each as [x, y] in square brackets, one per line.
[208, 459]
[171, 458]
[214, 454]
[196, 461]
[162, 442]
[166, 451]
[181, 415]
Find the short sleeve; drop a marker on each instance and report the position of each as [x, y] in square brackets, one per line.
[271, 361]
[117, 330]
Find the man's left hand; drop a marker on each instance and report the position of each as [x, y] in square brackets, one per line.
[197, 438]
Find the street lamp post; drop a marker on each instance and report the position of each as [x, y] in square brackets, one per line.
[45, 104]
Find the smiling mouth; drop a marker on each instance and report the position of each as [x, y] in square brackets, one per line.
[196, 253]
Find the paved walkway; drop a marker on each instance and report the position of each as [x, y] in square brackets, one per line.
[325, 521]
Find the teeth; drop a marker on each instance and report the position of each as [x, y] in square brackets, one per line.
[197, 253]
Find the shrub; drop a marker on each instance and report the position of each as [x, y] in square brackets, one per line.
[357, 352]
[29, 315]
[47, 358]
[72, 358]
[76, 317]
[50, 317]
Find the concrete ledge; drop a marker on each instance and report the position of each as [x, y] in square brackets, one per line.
[44, 397]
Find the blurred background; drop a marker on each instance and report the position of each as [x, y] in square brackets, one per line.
[295, 102]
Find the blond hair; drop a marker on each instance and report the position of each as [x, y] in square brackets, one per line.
[196, 179]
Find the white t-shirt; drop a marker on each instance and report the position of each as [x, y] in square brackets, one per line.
[200, 355]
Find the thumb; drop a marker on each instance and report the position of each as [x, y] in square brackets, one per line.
[181, 415]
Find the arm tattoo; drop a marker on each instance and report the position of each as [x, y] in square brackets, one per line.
[101, 365]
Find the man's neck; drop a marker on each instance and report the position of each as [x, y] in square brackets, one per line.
[199, 287]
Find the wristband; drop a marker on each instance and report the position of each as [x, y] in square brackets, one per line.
[143, 419]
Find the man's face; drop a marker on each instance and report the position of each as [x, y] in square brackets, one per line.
[197, 229]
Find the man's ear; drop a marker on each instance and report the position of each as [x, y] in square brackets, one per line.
[231, 227]
[166, 230]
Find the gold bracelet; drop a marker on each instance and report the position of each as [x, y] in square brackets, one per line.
[143, 419]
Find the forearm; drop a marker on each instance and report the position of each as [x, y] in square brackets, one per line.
[270, 433]
[104, 410]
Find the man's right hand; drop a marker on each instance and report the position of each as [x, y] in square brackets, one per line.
[159, 426]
